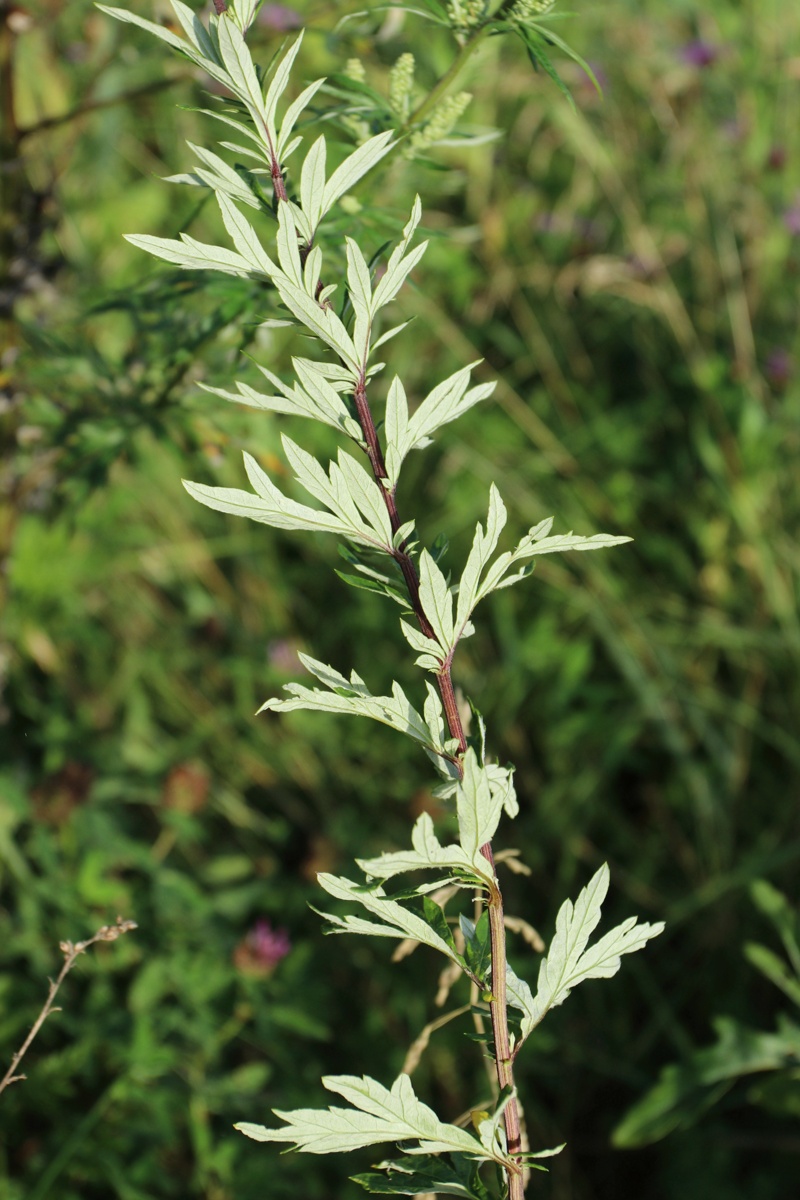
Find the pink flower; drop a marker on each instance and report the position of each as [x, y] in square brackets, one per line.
[261, 949]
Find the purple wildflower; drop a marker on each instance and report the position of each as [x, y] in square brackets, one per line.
[262, 949]
[791, 217]
[699, 54]
[778, 367]
[279, 17]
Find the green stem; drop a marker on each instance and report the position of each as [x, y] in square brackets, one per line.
[447, 80]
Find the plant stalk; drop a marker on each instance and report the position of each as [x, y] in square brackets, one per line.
[504, 1063]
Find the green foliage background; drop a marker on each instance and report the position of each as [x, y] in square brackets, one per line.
[630, 272]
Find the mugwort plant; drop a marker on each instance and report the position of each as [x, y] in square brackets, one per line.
[343, 387]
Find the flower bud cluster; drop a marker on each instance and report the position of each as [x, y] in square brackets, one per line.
[466, 14]
[528, 10]
[401, 83]
[441, 123]
[360, 129]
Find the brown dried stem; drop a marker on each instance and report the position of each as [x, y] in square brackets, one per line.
[71, 952]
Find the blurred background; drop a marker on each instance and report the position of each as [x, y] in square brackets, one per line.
[629, 271]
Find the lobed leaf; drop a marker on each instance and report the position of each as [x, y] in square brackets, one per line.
[396, 921]
[478, 807]
[377, 1115]
[353, 696]
[568, 961]
[427, 853]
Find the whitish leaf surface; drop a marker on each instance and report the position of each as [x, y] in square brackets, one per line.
[290, 117]
[427, 854]
[245, 238]
[159, 31]
[352, 696]
[277, 87]
[271, 507]
[401, 263]
[394, 920]
[377, 1115]
[436, 600]
[568, 961]
[193, 255]
[483, 547]
[316, 399]
[238, 63]
[447, 401]
[355, 166]
[478, 807]
[501, 784]
[537, 541]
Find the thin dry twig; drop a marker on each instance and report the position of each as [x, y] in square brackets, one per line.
[71, 951]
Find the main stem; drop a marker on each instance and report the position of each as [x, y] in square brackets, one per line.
[504, 1064]
[498, 1009]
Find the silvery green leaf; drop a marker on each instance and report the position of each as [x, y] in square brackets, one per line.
[400, 263]
[446, 402]
[248, 152]
[165, 35]
[192, 255]
[290, 148]
[289, 246]
[284, 146]
[431, 654]
[239, 126]
[483, 547]
[367, 496]
[404, 534]
[353, 697]
[492, 1131]
[355, 166]
[312, 271]
[278, 86]
[347, 490]
[216, 174]
[377, 1115]
[241, 129]
[388, 335]
[537, 541]
[501, 782]
[396, 921]
[389, 285]
[434, 717]
[426, 854]
[243, 12]
[268, 505]
[325, 397]
[244, 238]
[289, 281]
[569, 962]
[478, 807]
[195, 31]
[238, 63]
[359, 287]
[436, 599]
[312, 184]
[397, 435]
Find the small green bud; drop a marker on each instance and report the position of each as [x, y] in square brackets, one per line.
[354, 69]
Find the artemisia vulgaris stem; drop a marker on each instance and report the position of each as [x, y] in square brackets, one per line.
[504, 1065]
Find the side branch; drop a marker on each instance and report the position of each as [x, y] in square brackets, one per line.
[71, 951]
